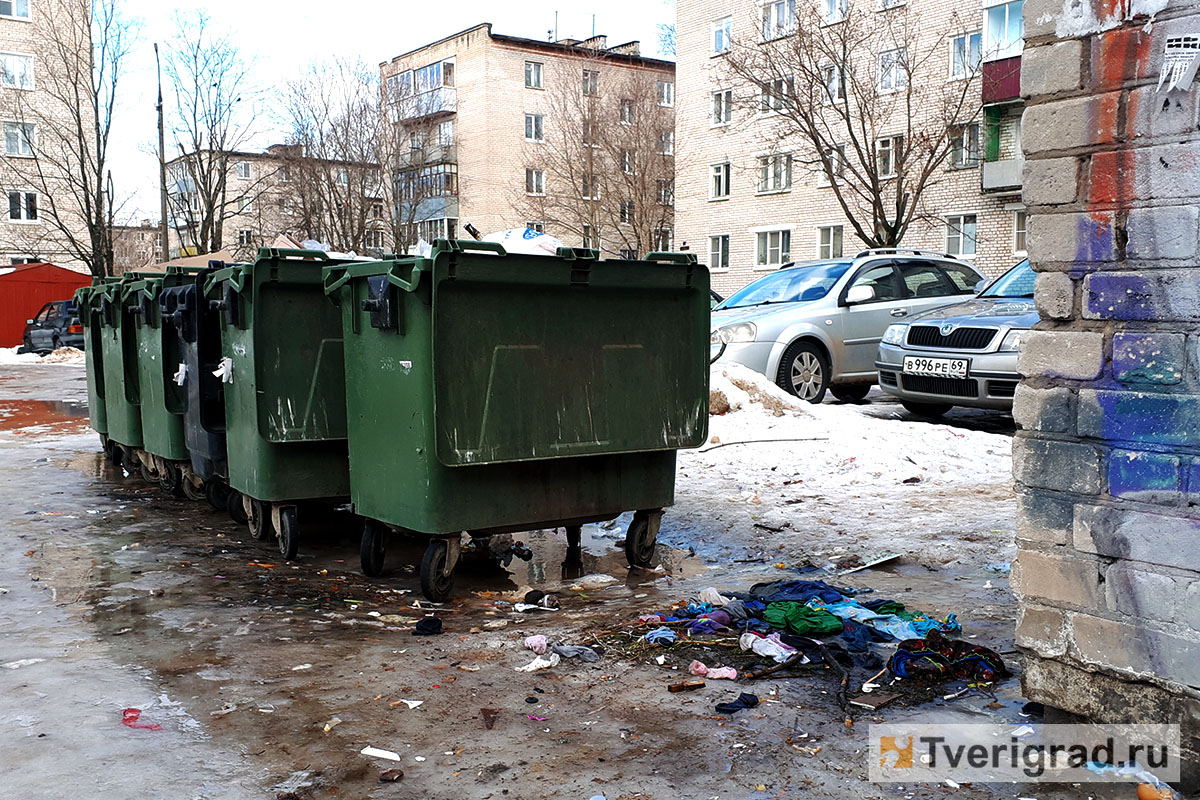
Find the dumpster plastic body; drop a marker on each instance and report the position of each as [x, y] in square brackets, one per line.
[87, 300]
[161, 397]
[119, 367]
[491, 392]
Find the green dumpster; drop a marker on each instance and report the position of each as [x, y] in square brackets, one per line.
[491, 392]
[285, 394]
[118, 368]
[87, 300]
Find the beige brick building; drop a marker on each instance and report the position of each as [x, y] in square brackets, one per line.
[494, 122]
[744, 217]
[35, 38]
[135, 246]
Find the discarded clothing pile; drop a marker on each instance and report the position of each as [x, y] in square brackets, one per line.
[937, 657]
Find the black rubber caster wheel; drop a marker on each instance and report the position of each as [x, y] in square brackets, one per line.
[149, 474]
[372, 550]
[170, 479]
[289, 533]
[216, 492]
[437, 577]
[259, 520]
[235, 507]
[190, 490]
[641, 538]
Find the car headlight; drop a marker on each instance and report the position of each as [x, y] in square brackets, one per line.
[895, 334]
[1012, 341]
[738, 333]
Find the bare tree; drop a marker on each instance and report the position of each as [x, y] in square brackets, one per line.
[864, 92]
[606, 172]
[57, 138]
[334, 159]
[213, 119]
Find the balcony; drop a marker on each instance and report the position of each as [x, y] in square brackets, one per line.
[1003, 176]
[408, 158]
[1001, 80]
[443, 100]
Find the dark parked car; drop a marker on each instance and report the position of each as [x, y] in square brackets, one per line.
[56, 325]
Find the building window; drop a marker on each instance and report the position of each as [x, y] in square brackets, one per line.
[373, 238]
[627, 212]
[590, 241]
[448, 73]
[245, 236]
[540, 227]
[722, 35]
[662, 240]
[23, 206]
[16, 71]
[666, 143]
[287, 206]
[446, 133]
[665, 189]
[893, 74]
[778, 19]
[245, 204]
[719, 185]
[376, 210]
[18, 138]
[836, 156]
[588, 138]
[722, 107]
[628, 160]
[399, 85]
[960, 234]
[1020, 226]
[433, 76]
[964, 145]
[243, 169]
[535, 182]
[834, 79]
[589, 187]
[1003, 30]
[775, 172]
[887, 153]
[342, 177]
[666, 93]
[773, 248]
[835, 10]
[718, 252]
[776, 95]
[626, 112]
[534, 131]
[533, 75]
[284, 175]
[829, 241]
[628, 255]
[966, 53]
[591, 83]
[14, 8]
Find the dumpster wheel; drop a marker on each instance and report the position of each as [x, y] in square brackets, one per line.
[169, 478]
[235, 507]
[289, 532]
[191, 490]
[372, 551]
[259, 520]
[149, 474]
[642, 537]
[437, 569]
[216, 492]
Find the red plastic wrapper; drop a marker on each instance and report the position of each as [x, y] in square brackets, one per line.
[129, 718]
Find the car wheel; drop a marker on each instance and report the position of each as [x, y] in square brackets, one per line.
[57, 343]
[926, 409]
[27, 344]
[804, 372]
[853, 393]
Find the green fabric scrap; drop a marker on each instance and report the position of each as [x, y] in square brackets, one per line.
[801, 619]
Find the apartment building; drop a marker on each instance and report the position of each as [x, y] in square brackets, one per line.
[756, 195]
[35, 39]
[135, 246]
[570, 137]
[277, 192]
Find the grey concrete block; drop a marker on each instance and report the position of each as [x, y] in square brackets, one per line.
[1053, 68]
[1043, 409]
[1057, 466]
[1139, 418]
[1162, 232]
[1050, 181]
[1150, 595]
[1054, 295]
[1072, 237]
[1058, 579]
[1171, 541]
[1136, 651]
[1071, 355]
[1070, 123]
[1042, 630]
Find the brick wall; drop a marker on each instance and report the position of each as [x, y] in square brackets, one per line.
[1107, 461]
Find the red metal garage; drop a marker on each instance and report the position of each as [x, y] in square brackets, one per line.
[25, 288]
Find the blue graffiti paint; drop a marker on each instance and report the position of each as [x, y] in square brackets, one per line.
[1121, 296]
[1094, 240]
[1148, 358]
[1140, 417]
[1133, 474]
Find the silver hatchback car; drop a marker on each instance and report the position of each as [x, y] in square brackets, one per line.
[815, 326]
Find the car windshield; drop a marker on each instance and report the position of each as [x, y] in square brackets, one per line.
[1016, 283]
[792, 285]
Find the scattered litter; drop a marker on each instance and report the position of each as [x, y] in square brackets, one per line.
[294, 783]
[660, 660]
[872, 561]
[333, 723]
[24, 662]
[1024, 730]
[378, 753]
[686, 686]
[937, 657]
[744, 700]
[538, 644]
[713, 597]
[489, 717]
[495, 624]
[410, 703]
[593, 582]
[129, 718]
[428, 626]
[713, 673]
[873, 702]
[537, 719]
[418, 758]
[301, 667]
[541, 662]
[227, 708]
[576, 651]
[525, 607]
[466, 668]
[662, 635]
[539, 598]
[391, 775]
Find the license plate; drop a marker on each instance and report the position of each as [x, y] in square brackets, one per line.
[936, 367]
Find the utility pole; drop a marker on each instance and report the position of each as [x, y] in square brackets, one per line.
[165, 242]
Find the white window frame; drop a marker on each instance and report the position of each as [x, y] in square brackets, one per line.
[535, 182]
[533, 75]
[29, 73]
[837, 157]
[763, 247]
[587, 238]
[1020, 232]
[961, 139]
[245, 204]
[776, 96]
[625, 212]
[778, 19]
[721, 39]
[722, 108]
[540, 227]
[720, 175]
[833, 11]
[245, 236]
[591, 83]
[589, 186]
[243, 170]
[23, 204]
[829, 73]
[665, 92]
[535, 124]
[716, 239]
[887, 145]
[968, 70]
[959, 235]
[895, 77]
[630, 106]
[825, 248]
[995, 51]
[26, 134]
[15, 5]
[664, 191]
[341, 176]
[666, 143]
[888, 5]
[774, 173]
[628, 161]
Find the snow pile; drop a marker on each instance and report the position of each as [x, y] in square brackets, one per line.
[9, 355]
[732, 387]
[64, 355]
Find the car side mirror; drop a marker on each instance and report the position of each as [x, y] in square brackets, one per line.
[28, 322]
[981, 285]
[860, 294]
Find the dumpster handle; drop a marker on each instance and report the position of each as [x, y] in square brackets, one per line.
[673, 258]
[333, 286]
[409, 285]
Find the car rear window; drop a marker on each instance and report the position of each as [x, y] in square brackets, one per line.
[963, 277]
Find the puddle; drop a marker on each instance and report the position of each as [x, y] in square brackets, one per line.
[56, 415]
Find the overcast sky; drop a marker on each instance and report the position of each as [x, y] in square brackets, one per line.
[282, 38]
